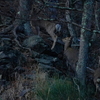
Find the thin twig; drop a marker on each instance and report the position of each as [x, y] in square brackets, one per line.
[77, 86]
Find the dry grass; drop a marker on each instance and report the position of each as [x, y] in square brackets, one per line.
[41, 87]
[17, 90]
[23, 88]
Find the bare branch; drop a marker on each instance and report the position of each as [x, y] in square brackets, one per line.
[14, 32]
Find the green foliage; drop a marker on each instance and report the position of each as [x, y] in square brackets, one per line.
[63, 89]
[57, 89]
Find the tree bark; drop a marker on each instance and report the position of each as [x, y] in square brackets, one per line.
[53, 14]
[97, 13]
[24, 15]
[84, 41]
[70, 26]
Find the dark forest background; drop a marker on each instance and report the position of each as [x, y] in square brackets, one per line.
[49, 50]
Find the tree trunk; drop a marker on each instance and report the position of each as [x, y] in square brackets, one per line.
[53, 13]
[24, 15]
[97, 13]
[70, 26]
[84, 41]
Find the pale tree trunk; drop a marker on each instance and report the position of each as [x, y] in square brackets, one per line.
[68, 18]
[84, 41]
